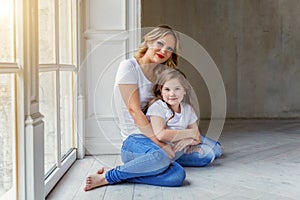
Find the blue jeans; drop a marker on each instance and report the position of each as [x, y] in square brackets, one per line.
[145, 162]
[215, 145]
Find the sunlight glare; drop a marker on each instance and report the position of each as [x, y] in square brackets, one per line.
[6, 10]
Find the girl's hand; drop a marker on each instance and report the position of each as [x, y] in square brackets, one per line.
[180, 145]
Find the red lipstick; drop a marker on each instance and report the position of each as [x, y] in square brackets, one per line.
[160, 56]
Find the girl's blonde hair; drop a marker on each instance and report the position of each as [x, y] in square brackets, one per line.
[156, 33]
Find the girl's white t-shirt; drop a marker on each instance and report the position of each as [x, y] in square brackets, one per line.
[130, 72]
[180, 120]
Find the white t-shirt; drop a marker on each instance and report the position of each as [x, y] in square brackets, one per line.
[180, 120]
[130, 72]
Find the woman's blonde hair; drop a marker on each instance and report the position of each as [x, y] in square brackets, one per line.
[158, 32]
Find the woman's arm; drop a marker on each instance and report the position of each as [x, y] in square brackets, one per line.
[130, 95]
[167, 135]
[180, 145]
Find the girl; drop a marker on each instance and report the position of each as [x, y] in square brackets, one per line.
[174, 121]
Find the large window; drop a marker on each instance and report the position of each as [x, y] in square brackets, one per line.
[57, 72]
[56, 79]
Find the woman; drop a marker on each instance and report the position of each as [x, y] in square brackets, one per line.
[146, 159]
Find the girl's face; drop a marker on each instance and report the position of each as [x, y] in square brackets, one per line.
[173, 93]
[160, 50]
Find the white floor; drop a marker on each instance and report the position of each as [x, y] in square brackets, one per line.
[261, 161]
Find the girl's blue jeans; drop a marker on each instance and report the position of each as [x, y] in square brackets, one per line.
[145, 162]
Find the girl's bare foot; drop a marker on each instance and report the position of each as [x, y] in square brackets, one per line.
[95, 180]
[194, 148]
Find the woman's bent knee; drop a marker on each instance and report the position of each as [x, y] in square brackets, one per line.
[176, 178]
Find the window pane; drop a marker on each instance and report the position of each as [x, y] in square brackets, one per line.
[7, 132]
[65, 32]
[66, 113]
[46, 32]
[6, 31]
[47, 94]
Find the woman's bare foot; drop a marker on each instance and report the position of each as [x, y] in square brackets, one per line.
[95, 180]
[101, 171]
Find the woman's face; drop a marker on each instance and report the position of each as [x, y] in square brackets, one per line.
[160, 50]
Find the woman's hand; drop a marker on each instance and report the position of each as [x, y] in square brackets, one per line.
[169, 150]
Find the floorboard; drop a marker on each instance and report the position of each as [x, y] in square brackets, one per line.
[261, 161]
